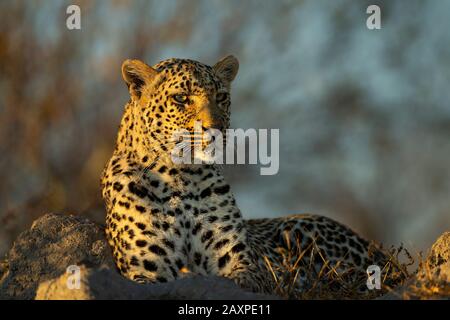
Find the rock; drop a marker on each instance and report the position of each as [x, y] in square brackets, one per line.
[104, 283]
[432, 280]
[439, 258]
[36, 268]
[45, 251]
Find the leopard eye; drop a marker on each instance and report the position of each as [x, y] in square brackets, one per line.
[221, 97]
[180, 98]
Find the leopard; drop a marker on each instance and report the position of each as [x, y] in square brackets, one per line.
[167, 220]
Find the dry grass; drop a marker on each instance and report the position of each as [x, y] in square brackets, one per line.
[427, 285]
[333, 280]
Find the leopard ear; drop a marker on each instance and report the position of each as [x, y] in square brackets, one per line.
[227, 68]
[136, 74]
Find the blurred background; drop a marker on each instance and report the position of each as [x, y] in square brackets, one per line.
[364, 115]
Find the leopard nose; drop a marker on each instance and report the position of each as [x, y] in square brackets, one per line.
[209, 117]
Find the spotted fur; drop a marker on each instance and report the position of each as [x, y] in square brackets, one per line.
[164, 219]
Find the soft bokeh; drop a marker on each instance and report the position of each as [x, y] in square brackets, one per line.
[364, 116]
